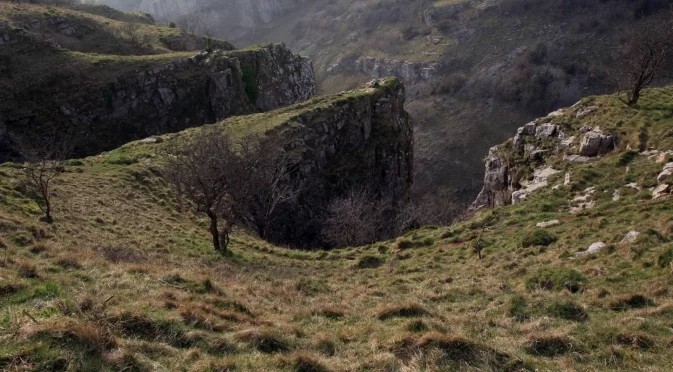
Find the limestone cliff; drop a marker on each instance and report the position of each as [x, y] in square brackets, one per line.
[204, 88]
[524, 163]
[361, 139]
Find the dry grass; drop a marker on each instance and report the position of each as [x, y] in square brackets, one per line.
[184, 307]
[263, 339]
[550, 345]
[304, 362]
[27, 270]
[401, 311]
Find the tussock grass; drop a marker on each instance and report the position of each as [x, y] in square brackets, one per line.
[369, 262]
[27, 270]
[401, 311]
[330, 312]
[627, 302]
[568, 310]
[86, 335]
[557, 279]
[304, 362]
[550, 345]
[264, 339]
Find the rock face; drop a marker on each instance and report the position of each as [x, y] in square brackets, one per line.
[665, 173]
[363, 141]
[411, 73]
[596, 143]
[498, 187]
[189, 92]
[508, 179]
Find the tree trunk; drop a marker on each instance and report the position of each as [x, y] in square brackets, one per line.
[265, 234]
[225, 235]
[214, 232]
[47, 206]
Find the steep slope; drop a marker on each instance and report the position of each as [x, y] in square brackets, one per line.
[357, 139]
[122, 281]
[364, 132]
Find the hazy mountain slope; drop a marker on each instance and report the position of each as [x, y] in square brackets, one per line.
[122, 281]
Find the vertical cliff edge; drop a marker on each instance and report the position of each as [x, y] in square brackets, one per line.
[361, 139]
[105, 110]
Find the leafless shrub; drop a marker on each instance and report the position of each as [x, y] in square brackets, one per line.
[354, 219]
[196, 23]
[646, 50]
[439, 208]
[272, 181]
[45, 156]
[216, 179]
[134, 34]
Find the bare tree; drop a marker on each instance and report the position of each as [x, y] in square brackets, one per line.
[272, 177]
[133, 33]
[642, 56]
[438, 208]
[353, 220]
[44, 156]
[196, 23]
[211, 174]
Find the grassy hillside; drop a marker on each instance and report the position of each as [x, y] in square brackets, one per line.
[97, 29]
[123, 281]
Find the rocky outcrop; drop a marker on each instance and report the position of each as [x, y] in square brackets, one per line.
[596, 143]
[411, 73]
[498, 186]
[10, 35]
[508, 178]
[205, 88]
[362, 139]
[666, 173]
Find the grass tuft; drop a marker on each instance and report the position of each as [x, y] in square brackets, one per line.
[304, 362]
[401, 311]
[369, 262]
[557, 279]
[568, 310]
[626, 302]
[538, 237]
[264, 339]
[550, 345]
[27, 270]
